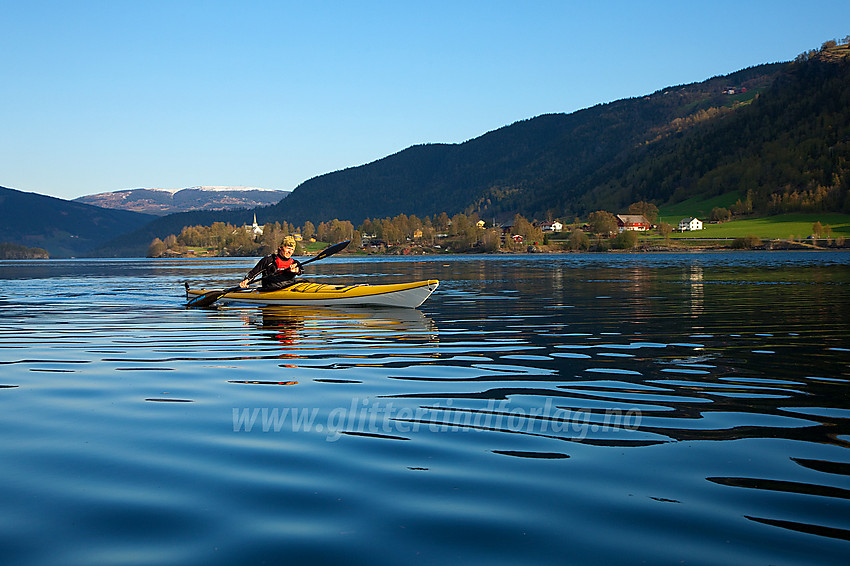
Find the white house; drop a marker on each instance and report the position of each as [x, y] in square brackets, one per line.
[687, 224]
[552, 226]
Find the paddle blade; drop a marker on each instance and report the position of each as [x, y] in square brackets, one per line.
[206, 299]
[329, 251]
[209, 297]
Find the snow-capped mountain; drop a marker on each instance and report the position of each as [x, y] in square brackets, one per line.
[167, 201]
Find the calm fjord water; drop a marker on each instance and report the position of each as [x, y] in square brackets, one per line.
[577, 409]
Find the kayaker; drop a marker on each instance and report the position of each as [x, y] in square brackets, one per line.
[278, 269]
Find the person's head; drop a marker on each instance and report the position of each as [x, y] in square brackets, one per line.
[287, 246]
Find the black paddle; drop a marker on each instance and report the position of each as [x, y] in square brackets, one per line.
[210, 297]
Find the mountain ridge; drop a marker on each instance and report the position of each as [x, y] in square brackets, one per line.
[162, 202]
[63, 228]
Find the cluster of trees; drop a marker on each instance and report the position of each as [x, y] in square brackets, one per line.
[459, 233]
[223, 238]
[742, 207]
[604, 225]
[815, 199]
[825, 47]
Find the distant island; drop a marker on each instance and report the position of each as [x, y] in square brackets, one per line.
[15, 251]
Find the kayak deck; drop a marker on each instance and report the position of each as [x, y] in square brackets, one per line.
[407, 295]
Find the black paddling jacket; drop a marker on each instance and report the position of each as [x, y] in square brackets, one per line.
[276, 270]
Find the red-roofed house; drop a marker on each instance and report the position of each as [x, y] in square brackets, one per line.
[636, 222]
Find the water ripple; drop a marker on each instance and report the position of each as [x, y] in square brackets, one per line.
[695, 414]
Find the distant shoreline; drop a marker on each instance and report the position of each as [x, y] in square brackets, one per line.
[423, 251]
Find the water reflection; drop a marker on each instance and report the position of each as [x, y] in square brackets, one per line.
[694, 277]
[291, 325]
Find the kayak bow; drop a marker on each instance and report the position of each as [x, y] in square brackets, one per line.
[407, 295]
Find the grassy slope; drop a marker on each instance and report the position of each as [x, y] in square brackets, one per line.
[695, 207]
[784, 226]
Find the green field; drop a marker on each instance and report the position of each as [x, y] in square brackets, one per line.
[784, 226]
[695, 207]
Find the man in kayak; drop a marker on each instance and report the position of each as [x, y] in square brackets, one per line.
[278, 269]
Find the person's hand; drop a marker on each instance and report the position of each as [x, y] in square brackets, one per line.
[294, 268]
[244, 283]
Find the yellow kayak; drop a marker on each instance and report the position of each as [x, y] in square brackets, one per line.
[406, 295]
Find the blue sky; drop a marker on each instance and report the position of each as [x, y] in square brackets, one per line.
[106, 95]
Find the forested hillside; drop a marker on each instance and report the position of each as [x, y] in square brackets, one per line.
[776, 134]
[63, 228]
[537, 167]
[788, 150]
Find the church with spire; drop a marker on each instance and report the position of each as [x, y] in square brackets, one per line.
[254, 229]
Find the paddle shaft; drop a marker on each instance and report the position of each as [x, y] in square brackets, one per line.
[329, 251]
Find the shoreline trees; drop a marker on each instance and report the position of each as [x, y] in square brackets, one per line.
[404, 234]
